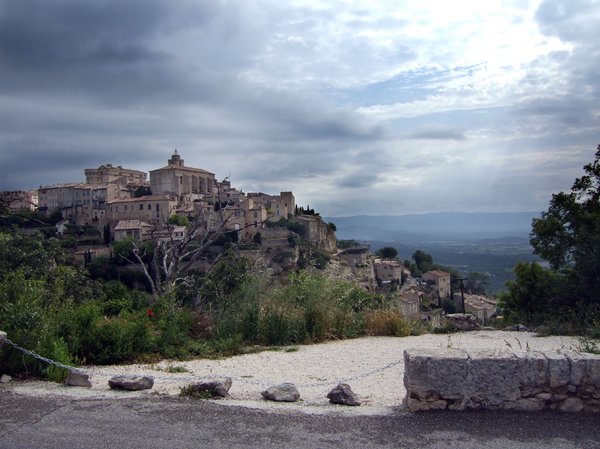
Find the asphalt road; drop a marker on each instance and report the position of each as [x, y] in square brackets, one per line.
[167, 422]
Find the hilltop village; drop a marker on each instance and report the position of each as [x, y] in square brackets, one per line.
[116, 203]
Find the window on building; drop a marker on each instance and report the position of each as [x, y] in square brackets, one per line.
[149, 206]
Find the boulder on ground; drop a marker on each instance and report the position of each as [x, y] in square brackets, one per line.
[132, 383]
[77, 378]
[215, 387]
[342, 394]
[285, 392]
[5, 378]
[461, 322]
[516, 328]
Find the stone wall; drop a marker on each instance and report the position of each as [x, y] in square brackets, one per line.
[456, 379]
[318, 233]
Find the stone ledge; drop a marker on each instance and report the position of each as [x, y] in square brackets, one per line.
[456, 379]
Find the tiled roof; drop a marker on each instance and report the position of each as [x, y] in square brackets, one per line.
[183, 168]
[438, 273]
[143, 198]
[124, 225]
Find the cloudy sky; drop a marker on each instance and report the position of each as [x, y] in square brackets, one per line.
[358, 106]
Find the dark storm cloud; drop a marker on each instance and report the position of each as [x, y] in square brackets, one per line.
[357, 180]
[75, 44]
[37, 35]
[125, 81]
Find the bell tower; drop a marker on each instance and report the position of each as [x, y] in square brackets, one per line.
[176, 159]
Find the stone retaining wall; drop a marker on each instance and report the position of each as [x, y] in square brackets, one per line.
[456, 379]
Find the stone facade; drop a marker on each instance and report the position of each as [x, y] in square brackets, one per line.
[388, 270]
[356, 256]
[22, 200]
[153, 209]
[455, 379]
[177, 179]
[278, 206]
[481, 306]
[441, 282]
[409, 302]
[80, 203]
[107, 174]
[132, 229]
[318, 233]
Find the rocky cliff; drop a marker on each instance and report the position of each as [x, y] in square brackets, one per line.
[318, 233]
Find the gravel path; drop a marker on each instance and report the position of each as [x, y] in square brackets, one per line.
[373, 366]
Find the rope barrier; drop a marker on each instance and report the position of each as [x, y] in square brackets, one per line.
[40, 357]
[212, 376]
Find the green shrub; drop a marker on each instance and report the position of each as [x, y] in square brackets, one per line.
[280, 325]
[250, 323]
[57, 350]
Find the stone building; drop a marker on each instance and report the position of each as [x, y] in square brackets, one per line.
[318, 232]
[246, 216]
[153, 209]
[132, 229]
[81, 204]
[177, 179]
[21, 200]
[440, 281]
[278, 206]
[409, 303]
[481, 306]
[107, 174]
[356, 256]
[388, 271]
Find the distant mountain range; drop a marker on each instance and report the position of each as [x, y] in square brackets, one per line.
[434, 226]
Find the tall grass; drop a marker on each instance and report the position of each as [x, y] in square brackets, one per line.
[387, 322]
[309, 308]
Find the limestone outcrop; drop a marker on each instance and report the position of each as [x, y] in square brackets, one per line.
[318, 233]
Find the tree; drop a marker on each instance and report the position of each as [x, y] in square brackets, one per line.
[142, 191]
[567, 235]
[179, 220]
[387, 252]
[536, 295]
[106, 234]
[477, 282]
[170, 259]
[344, 244]
[423, 260]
